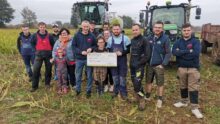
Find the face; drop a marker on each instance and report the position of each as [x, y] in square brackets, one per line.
[158, 29]
[101, 43]
[25, 30]
[60, 53]
[92, 27]
[42, 28]
[105, 27]
[85, 28]
[116, 30]
[55, 29]
[106, 35]
[64, 34]
[187, 32]
[136, 31]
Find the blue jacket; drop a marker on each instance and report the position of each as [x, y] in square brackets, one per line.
[161, 51]
[185, 58]
[81, 43]
[69, 50]
[24, 44]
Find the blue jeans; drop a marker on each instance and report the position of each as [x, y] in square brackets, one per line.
[79, 70]
[28, 60]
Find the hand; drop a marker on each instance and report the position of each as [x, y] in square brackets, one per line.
[84, 53]
[51, 60]
[89, 50]
[118, 53]
[191, 50]
[159, 66]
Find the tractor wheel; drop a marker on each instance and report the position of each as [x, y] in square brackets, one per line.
[216, 52]
[204, 46]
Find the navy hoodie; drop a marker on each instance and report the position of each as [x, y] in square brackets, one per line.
[184, 57]
[83, 42]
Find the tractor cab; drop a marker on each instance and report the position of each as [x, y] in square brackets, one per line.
[91, 11]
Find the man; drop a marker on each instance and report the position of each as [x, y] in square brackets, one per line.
[187, 50]
[120, 44]
[92, 28]
[140, 55]
[83, 43]
[43, 43]
[55, 35]
[160, 55]
[26, 50]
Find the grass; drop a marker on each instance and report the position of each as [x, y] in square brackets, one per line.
[19, 106]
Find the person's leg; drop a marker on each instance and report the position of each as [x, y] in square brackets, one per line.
[36, 72]
[159, 74]
[149, 80]
[48, 70]
[194, 79]
[123, 69]
[115, 77]
[71, 73]
[78, 74]
[89, 80]
[183, 80]
[27, 62]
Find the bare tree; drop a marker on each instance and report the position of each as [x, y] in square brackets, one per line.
[29, 17]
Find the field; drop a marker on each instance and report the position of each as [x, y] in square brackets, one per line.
[19, 106]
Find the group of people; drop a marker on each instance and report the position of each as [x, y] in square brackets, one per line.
[152, 52]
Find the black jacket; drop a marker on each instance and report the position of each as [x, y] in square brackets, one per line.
[140, 51]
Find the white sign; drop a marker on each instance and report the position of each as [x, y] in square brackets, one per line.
[102, 59]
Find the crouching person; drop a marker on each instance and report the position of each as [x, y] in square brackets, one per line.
[187, 50]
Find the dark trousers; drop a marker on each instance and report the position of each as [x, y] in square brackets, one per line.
[28, 60]
[39, 59]
[71, 75]
[108, 77]
[137, 75]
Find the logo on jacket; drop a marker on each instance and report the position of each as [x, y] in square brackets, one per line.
[159, 42]
[150, 41]
[89, 40]
[190, 46]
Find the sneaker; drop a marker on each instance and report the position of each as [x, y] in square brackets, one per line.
[65, 90]
[111, 89]
[106, 88]
[88, 95]
[159, 103]
[197, 113]
[180, 104]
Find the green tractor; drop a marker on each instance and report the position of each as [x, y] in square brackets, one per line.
[173, 17]
[91, 11]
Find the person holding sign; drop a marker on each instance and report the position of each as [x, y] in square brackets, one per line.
[83, 43]
[100, 73]
[140, 55]
[119, 44]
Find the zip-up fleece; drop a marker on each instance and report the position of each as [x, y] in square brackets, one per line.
[161, 51]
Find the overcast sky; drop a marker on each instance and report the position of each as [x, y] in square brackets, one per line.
[53, 10]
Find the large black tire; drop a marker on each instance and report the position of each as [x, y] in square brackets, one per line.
[204, 47]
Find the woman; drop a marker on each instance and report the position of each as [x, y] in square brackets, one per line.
[65, 42]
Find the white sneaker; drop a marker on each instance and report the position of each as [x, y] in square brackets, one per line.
[197, 113]
[180, 104]
[159, 103]
[111, 88]
[106, 88]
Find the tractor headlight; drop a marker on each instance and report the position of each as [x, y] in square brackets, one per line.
[173, 31]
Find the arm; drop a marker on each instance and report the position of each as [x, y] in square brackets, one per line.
[145, 57]
[34, 41]
[76, 50]
[167, 52]
[127, 43]
[55, 49]
[51, 40]
[176, 51]
[19, 44]
[195, 51]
